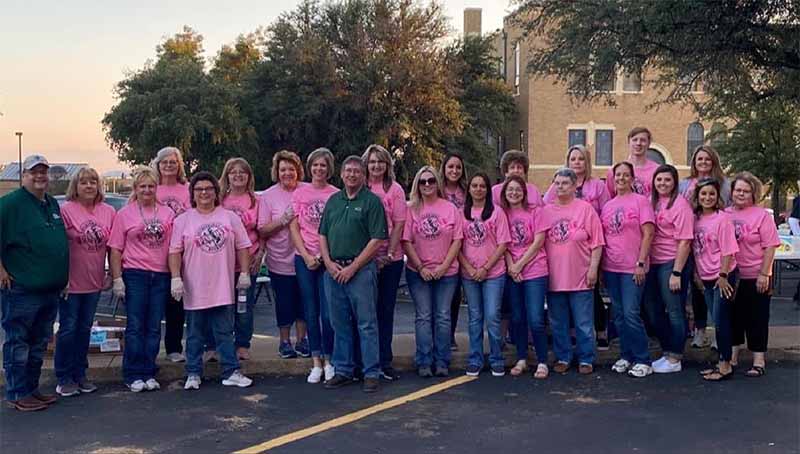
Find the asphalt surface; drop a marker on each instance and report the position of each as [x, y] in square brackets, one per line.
[602, 413]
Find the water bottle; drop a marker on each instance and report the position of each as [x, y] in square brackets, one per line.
[241, 301]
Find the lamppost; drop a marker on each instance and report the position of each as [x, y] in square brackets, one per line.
[19, 137]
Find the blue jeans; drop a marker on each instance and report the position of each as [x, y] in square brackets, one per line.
[354, 302]
[320, 332]
[626, 303]
[220, 320]
[721, 310]
[518, 330]
[388, 282]
[665, 309]
[146, 294]
[483, 300]
[530, 295]
[75, 318]
[288, 303]
[28, 323]
[581, 305]
[242, 323]
[432, 307]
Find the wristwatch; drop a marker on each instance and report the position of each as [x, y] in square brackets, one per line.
[640, 264]
[725, 275]
[676, 273]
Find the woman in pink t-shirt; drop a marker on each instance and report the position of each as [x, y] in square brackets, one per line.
[455, 190]
[431, 240]
[88, 221]
[628, 228]
[714, 248]
[668, 277]
[139, 245]
[574, 244]
[308, 202]
[173, 192]
[275, 213]
[758, 238]
[483, 272]
[207, 242]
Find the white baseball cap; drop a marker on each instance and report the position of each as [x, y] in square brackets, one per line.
[33, 161]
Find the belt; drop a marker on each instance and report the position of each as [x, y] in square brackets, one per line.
[343, 262]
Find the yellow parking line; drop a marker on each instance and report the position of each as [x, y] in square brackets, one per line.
[355, 416]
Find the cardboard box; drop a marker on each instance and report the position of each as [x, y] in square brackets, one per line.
[107, 337]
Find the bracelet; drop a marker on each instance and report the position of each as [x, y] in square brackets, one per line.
[723, 275]
[676, 273]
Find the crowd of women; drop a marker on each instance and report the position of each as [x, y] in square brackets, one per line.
[184, 248]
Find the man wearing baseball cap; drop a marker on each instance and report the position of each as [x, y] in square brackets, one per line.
[34, 269]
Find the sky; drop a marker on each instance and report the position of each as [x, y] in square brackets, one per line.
[60, 60]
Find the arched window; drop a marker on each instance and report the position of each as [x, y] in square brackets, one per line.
[655, 155]
[694, 138]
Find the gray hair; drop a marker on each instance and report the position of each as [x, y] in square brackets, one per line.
[323, 153]
[353, 159]
[163, 154]
[566, 172]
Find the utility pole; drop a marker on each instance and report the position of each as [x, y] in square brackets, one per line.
[19, 137]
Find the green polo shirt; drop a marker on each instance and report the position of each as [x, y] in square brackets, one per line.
[33, 241]
[349, 224]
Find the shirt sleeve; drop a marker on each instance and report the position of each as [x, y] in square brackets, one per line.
[264, 211]
[117, 238]
[503, 235]
[534, 196]
[458, 230]
[550, 195]
[646, 214]
[408, 227]
[610, 183]
[684, 221]
[727, 237]
[398, 203]
[176, 239]
[603, 197]
[241, 240]
[595, 229]
[541, 220]
[324, 223]
[376, 219]
[768, 232]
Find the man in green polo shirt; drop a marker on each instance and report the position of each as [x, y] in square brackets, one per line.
[352, 228]
[34, 269]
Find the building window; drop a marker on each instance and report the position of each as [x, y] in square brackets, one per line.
[517, 64]
[607, 85]
[522, 144]
[576, 137]
[632, 81]
[694, 138]
[656, 156]
[604, 147]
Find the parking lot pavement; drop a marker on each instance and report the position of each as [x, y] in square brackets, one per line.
[602, 413]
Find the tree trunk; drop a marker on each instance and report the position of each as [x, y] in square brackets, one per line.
[777, 200]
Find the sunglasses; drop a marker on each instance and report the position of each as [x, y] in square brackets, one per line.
[427, 182]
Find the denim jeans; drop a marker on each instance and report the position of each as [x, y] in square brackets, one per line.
[146, 294]
[518, 330]
[700, 307]
[288, 303]
[665, 309]
[388, 282]
[432, 317]
[626, 304]
[28, 324]
[483, 300]
[349, 303]
[531, 294]
[242, 323]
[581, 305]
[220, 320]
[315, 306]
[721, 311]
[75, 318]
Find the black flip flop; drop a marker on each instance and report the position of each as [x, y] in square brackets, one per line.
[755, 372]
[722, 377]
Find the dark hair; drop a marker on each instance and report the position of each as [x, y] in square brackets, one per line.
[204, 176]
[703, 182]
[462, 182]
[488, 206]
[673, 172]
[517, 179]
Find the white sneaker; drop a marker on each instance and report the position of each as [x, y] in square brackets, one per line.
[192, 382]
[152, 384]
[315, 376]
[137, 386]
[237, 379]
[699, 339]
[640, 370]
[330, 372]
[666, 367]
[176, 357]
[659, 361]
[621, 366]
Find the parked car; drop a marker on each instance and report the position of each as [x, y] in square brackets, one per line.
[115, 200]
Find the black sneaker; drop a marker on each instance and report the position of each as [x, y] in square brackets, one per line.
[302, 349]
[358, 375]
[473, 370]
[338, 381]
[425, 372]
[389, 374]
[498, 370]
[602, 344]
[370, 385]
[442, 371]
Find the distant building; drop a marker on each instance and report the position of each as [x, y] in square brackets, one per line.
[60, 173]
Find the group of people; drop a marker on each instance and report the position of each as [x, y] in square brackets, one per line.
[188, 249]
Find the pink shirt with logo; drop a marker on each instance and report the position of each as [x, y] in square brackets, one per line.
[522, 225]
[308, 202]
[241, 205]
[175, 196]
[280, 251]
[431, 230]
[481, 239]
[592, 190]
[534, 197]
[642, 178]
[394, 205]
[209, 243]
[573, 231]
[672, 225]
[623, 218]
[88, 230]
[457, 197]
[143, 237]
[714, 238]
[755, 231]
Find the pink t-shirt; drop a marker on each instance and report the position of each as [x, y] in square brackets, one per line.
[241, 205]
[431, 230]
[143, 237]
[280, 251]
[534, 197]
[87, 233]
[672, 225]
[592, 190]
[309, 203]
[573, 231]
[481, 239]
[394, 205]
[714, 238]
[755, 231]
[456, 197]
[175, 196]
[209, 243]
[522, 228]
[642, 178]
[623, 218]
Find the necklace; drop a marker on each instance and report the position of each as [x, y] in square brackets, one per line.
[151, 226]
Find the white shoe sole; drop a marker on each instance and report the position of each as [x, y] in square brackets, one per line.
[237, 384]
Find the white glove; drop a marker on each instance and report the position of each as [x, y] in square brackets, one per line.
[244, 282]
[118, 288]
[176, 288]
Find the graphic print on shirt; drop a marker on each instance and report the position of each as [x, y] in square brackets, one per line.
[453, 198]
[699, 243]
[153, 234]
[92, 236]
[476, 233]
[430, 226]
[560, 231]
[739, 229]
[519, 234]
[174, 204]
[313, 212]
[615, 222]
[638, 186]
[211, 237]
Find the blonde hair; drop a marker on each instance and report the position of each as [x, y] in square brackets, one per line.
[755, 184]
[638, 130]
[587, 157]
[383, 155]
[325, 154]
[416, 197]
[716, 167]
[251, 184]
[140, 173]
[290, 157]
[163, 154]
[86, 172]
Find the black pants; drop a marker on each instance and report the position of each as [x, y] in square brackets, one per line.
[750, 316]
[699, 306]
[600, 312]
[173, 331]
[454, 306]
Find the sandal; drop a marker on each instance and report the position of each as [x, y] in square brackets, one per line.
[716, 375]
[541, 372]
[755, 371]
[708, 371]
[519, 368]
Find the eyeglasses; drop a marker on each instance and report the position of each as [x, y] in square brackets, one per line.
[427, 182]
[375, 161]
[168, 163]
[205, 189]
[237, 172]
